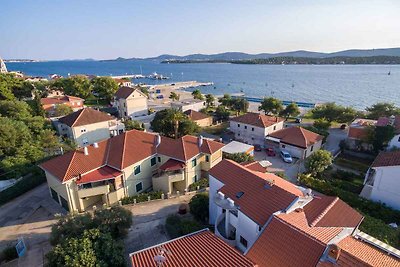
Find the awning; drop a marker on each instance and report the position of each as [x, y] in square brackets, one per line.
[172, 165]
[101, 174]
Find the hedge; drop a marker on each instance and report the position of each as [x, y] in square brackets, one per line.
[202, 183]
[377, 215]
[176, 226]
[143, 197]
[27, 183]
[351, 164]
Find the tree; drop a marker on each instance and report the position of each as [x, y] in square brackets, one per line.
[382, 109]
[226, 100]
[322, 124]
[240, 105]
[271, 106]
[173, 123]
[62, 110]
[317, 162]
[76, 86]
[24, 90]
[332, 112]
[14, 109]
[210, 100]
[199, 207]
[291, 110]
[105, 87]
[379, 136]
[239, 157]
[174, 96]
[197, 94]
[222, 113]
[132, 124]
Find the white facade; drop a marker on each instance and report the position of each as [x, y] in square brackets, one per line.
[299, 152]
[185, 105]
[251, 134]
[395, 142]
[382, 184]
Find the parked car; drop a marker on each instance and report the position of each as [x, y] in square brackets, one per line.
[270, 152]
[343, 126]
[257, 148]
[298, 120]
[286, 156]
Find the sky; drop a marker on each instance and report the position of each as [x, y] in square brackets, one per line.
[105, 29]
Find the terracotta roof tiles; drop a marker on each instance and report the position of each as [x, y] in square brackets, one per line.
[195, 115]
[125, 92]
[257, 119]
[387, 158]
[297, 136]
[85, 116]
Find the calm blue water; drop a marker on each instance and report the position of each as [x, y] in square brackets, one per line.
[352, 85]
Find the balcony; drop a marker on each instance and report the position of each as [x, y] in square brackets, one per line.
[224, 203]
[171, 176]
[94, 191]
[220, 230]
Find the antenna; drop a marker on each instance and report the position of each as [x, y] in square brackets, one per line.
[200, 141]
[160, 258]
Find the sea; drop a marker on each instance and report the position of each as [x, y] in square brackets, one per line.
[357, 86]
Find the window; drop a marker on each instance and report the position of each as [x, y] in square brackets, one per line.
[64, 203]
[195, 178]
[238, 134]
[139, 187]
[54, 195]
[153, 161]
[245, 127]
[243, 241]
[252, 129]
[234, 212]
[159, 159]
[137, 170]
[274, 128]
[312, 147]
[85, 141]
[83, 130]
[238, 125]
[283, 146]
[207, 158]
[194, 163]
[398, 140]
[252, 138]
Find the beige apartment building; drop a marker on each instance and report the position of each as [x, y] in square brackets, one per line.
[200, 118]
[130, 102]
[88, 126]
[126, 165]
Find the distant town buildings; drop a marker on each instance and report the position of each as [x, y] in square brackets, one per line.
[88, 126]
[358, 133]
[49, 104]
[130, 102]
[252, 128]
[189, 104]
[123, 82]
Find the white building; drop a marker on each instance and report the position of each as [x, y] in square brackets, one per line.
[187, 104]
[382, 181]
[130, 102]
[299, 142]
[238, 147]
[252, 128]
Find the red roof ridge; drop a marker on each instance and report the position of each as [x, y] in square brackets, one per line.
[325, 211]
[80, 114]
[123, 149]
[208, 145]
[69, 164]
[183, 147]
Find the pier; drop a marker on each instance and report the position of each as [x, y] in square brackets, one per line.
[284, 102]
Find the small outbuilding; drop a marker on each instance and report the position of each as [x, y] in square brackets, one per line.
[238, 147]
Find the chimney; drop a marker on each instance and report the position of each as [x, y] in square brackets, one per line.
[307, 192]
[157, 140]
[231, 202]
[200, 141]
[269, 183]
[334, 252]
[85, 151]
[95, 145]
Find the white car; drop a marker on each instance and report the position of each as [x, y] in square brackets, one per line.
[286, 156]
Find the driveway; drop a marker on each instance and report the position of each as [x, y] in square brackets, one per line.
[148, 222]
[335, 136]
[29, 216]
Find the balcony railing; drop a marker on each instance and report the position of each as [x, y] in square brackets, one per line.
[172, 177]
[94, 191]
[220, 231]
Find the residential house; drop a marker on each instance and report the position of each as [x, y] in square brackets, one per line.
[49, 104]
[299, 142]
[88, 126]
[130, 102]
[252, 128]
[189, 104]
[200, 118]
[382, 182]
[123, 82]
[395, 122]
[276, 223]
[238, 147]
[358, 133]
[124, 165]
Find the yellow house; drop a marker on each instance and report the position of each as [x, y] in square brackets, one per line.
[126, 165]
[88, 126]
[130, 102]
[200, 118]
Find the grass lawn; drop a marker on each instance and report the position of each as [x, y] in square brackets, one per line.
[216, 129]
[92, 101]
[357, 164]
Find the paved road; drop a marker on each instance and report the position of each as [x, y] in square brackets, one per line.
[335, 136]
[29, 216]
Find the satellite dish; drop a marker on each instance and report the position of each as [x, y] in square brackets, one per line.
[159, 259]
[157, 140]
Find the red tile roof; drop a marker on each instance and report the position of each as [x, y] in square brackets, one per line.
[383, 121]
[125, 150]
[258, 201]
[297, 136]
[254, 166]
[101, 174]
[84, 117]
[197, 249]
[357, 133]
[195, 115]
[59, 100]
[387, 158]
[327, 211]
[282, 245]
[172, 165]
[125, 92]
[257, 119]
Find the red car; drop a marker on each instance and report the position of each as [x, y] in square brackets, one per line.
[270, 152]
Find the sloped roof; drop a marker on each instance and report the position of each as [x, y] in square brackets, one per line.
[59, 99]
[257, 119]
[125, 92]
[357, 133]
[254, 166]
[281, 245]
[201, 248]
[387, 158]
[103, 173]
[297, 136]
[85, 116]
[258, 201]
[125, 150]
[195, 115]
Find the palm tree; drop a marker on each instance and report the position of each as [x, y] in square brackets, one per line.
[176, 116]
[210, 100]
[174, 96]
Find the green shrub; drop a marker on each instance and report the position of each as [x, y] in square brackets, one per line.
[199, 207]
[378, 229]
[202, 183]
[143, 197]
[176, 226]
[22, 186]
[238, 157]
[9, 253]
[351, 164]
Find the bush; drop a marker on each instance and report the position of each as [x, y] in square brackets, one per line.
[115, 221]
[318, 162]
[199, 207]
[351, 164]
[202, 183]
[9, 253]
[22, 186]
[176, 226]
[239, 157]
[143, 197]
